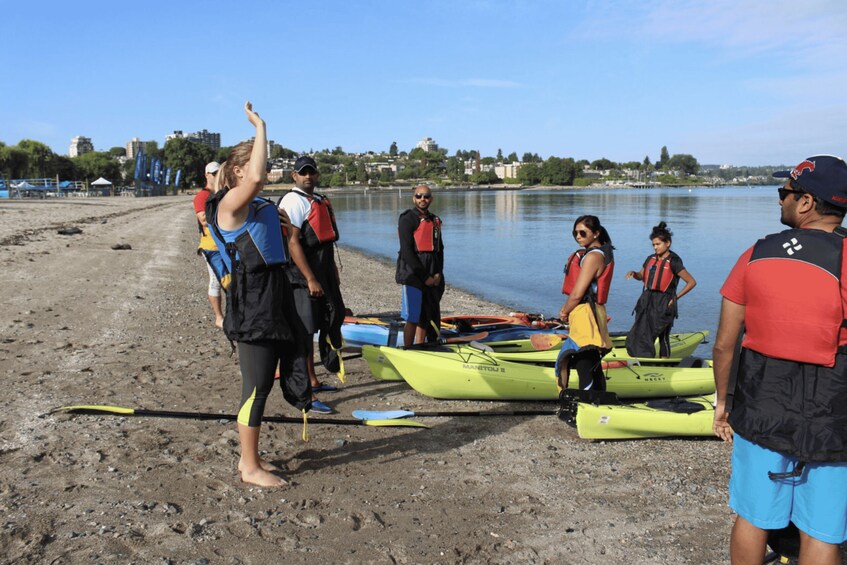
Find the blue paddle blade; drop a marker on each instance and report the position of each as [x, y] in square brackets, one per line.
[384, 415]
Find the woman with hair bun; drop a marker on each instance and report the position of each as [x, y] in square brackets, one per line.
[657, 307]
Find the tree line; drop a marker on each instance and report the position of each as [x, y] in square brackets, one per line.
[33, 159]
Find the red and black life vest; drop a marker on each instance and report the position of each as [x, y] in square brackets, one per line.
[658, 274]
[794, 307]
[573, 266]
[427, 233]
[319, 226]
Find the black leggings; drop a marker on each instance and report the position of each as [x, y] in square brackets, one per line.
[258, 361]
[589, 366]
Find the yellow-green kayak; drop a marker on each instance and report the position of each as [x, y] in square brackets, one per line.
[467, 372]
[662, 418]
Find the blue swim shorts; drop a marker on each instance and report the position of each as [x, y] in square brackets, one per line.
[410, 307]
[816, 501]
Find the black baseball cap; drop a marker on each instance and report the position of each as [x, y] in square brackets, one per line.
[303, 162]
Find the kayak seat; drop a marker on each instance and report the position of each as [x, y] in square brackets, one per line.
[692, 361]
[678, 405]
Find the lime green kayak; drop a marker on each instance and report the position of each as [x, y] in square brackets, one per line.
[467, 372]
[682, 345]
[668, 417]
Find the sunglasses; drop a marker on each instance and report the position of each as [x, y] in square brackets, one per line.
[783, 192]
[580, 233]
[426, 196]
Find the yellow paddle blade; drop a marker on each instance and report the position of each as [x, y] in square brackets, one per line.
[94, 407]
[409, 423]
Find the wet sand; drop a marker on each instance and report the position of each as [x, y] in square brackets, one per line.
[82, 323]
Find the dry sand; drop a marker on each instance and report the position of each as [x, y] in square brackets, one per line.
[81, 323]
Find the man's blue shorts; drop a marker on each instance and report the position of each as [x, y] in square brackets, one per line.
[816, 501]
[410, 308]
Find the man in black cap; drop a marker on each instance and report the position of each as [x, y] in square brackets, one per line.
[314, 276]
[783, 403]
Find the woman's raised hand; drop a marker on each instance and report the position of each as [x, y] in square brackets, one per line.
[251, 115]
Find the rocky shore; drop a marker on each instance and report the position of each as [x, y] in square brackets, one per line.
[117, 315]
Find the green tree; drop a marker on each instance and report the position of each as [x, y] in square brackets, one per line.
[191, 157]
[499, 155]
[64, 168]
[512, 157]
[663, 159]
[151, 149]
[117, 151]
[40, 158]
[531, 158]
[484, 177]
[14, 162]
[529, 173]
[685, 163]
[95, 164]
[392, 151]
[603, 165]
[556, 171]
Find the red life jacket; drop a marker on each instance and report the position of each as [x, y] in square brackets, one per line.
[319, 226]
[794, 308]
[659, 274]
[427, 233]
[604, 282]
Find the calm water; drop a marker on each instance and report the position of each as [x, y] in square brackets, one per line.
[510, 246]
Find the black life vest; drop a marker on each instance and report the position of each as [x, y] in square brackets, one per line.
[658, 274]
[599, 290]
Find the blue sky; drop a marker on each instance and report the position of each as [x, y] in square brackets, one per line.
[740, 82]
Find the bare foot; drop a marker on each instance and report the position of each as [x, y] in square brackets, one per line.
[262, 478]
[219, 323]
[265, 465]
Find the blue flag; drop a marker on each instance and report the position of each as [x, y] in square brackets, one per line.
[139, 165]
[178, 175]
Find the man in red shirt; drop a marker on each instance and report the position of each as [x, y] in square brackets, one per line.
[784, 408]
[207, 246]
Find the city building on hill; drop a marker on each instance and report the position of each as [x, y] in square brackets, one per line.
[427, 144]
[205, 137]
[80, 145]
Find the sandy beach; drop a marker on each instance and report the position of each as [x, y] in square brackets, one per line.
[83, 323]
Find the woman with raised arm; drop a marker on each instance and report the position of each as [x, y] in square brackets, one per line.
[658, 305]
[588, 276]
[259, 310]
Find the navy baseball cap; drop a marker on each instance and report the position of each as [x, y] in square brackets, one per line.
[303, 162]
[824, 176]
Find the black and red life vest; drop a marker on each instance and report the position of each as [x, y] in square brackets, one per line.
[573, 266]
[319, 226]
[795, 310]
[427, 233]
[658, 274]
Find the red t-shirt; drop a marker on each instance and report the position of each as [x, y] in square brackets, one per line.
[200, 200]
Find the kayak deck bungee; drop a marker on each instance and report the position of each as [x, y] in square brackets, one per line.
[651, 419]
[466, 372]
[682, 346]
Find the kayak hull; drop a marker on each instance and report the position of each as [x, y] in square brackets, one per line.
[640, 421]
[682, 345]
[465, 372]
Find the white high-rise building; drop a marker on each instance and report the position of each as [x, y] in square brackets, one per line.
[427, 144]
[80, 145]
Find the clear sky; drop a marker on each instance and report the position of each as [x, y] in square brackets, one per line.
[728, 81]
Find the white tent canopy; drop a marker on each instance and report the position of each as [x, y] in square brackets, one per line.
[101, 182]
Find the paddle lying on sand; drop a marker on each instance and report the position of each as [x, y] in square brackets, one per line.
[375, 416]
[102, 410]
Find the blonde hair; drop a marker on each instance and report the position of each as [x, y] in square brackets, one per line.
[238, 157]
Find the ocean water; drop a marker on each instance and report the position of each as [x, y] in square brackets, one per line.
[510, 247]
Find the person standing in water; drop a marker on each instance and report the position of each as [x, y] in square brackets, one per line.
[658, 305]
